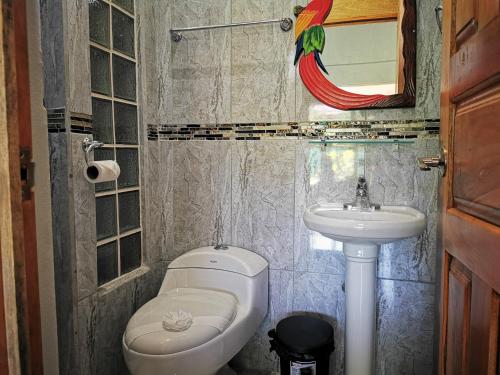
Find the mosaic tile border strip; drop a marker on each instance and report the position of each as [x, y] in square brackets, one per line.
[56, 119]
[308, 130]
[78, 122]
[81, 123]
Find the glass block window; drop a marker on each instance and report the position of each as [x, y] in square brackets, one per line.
[107, 262]
[113, 65]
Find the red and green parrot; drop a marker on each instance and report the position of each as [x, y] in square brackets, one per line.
[310, 42]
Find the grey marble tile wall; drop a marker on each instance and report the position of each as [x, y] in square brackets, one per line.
[262, 199]
[155, 102]
[66, 55]
[405, 327]
[83, 209]
[394, 178]
[77, 53]
[64, 257]
[255, 193]
[247, 74]
[262, 72]
[202, 195]
[103, 318]
[158, 210]
[201, 63]
[145, 23]
[52, 40]
[152, 24]
[154, 49]
[163, 80]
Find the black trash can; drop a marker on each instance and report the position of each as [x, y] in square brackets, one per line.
[304, 344]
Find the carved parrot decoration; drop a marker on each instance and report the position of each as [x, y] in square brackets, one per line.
[310, 42]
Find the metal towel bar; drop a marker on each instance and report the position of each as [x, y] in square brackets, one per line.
[285, 24]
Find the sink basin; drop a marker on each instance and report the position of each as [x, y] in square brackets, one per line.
[389, 224]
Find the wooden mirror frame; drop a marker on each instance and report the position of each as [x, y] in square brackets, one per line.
[310, 41]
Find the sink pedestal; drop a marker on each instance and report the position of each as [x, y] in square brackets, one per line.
[362, 233]
[360, 291]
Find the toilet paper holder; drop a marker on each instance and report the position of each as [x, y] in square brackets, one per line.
[89, 146]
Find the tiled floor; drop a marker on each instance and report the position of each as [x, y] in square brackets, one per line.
[227, 371]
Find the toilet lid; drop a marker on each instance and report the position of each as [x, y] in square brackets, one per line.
[212, 312]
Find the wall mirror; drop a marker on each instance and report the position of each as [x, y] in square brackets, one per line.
[356, 54]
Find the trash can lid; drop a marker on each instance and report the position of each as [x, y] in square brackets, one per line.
[304, 334]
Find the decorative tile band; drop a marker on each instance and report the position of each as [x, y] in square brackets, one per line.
[309, 130]
[56, 120]
[79, 123]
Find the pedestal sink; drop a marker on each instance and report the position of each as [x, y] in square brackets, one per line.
[362, 233]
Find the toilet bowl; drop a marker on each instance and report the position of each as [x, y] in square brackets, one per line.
[220, 298]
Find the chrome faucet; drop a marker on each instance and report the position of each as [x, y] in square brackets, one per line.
[362, 201]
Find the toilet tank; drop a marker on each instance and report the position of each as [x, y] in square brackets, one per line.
[238, 271]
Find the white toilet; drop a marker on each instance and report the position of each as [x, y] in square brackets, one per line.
[224, 291]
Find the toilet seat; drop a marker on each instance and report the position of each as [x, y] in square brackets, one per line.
[197, 329]
[212, 311]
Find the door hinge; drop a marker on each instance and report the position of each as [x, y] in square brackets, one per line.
[27, 173]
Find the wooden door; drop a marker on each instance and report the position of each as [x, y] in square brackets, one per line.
[470, 114]
[26, 257]
[20, 330]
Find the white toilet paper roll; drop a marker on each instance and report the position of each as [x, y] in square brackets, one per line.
[102, 171]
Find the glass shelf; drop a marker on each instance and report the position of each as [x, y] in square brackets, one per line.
[362, 141]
